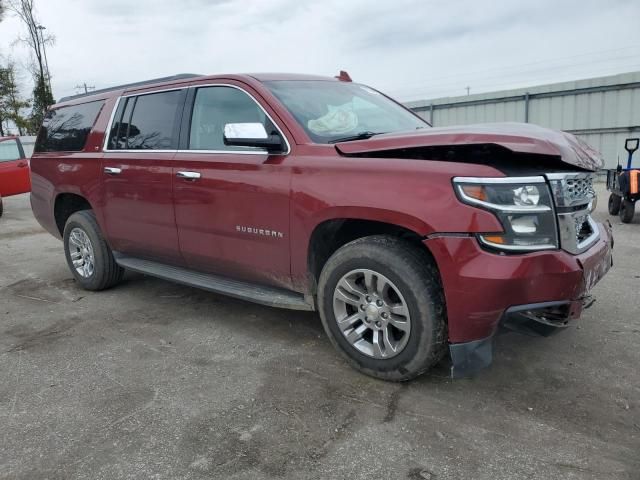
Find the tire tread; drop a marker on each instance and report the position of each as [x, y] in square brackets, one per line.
[419, 264]
[107, 272]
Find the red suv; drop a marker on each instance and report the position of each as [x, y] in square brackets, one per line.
[316, 193]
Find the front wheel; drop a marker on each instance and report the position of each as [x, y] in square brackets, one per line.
[627, 210]
[382, 306]
[89, 257]
[614, 204]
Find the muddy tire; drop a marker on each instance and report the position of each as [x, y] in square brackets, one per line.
[89, 257]
[382, 306]
[627, 210]
[614, 204]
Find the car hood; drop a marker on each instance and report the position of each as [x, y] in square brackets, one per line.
[517, 137]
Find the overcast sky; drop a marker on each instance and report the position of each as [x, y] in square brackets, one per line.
[411, 49]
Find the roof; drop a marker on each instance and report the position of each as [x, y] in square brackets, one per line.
[267, 77]
[261, 77]
[172, 78]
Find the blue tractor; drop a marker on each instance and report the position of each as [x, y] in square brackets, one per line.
[624, 185]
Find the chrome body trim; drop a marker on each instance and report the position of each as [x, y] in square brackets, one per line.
[501, 180]
[573, 194]
[112, 170]
[188, 175]
[516, 248]
[107, 132]
[227, 152]
[502, 208]
[571, 189]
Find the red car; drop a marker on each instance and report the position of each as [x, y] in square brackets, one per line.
[317, 193]
[14, 169]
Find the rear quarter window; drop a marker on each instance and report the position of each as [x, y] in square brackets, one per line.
[66, 129]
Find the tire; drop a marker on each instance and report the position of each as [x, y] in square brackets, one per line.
[614, 204]
[406, 269]
[1, 207]
[105, 272]
[627, 210]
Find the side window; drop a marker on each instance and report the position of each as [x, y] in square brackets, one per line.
[213, 108]
[9, 151]
[147, 122]
[66, 129]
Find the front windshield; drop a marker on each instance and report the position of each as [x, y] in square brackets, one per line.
[331, 111]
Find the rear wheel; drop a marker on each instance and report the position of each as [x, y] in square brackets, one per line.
[627, 210]
[1, 207]
[614, 204]
[89, 257]
[382, 306]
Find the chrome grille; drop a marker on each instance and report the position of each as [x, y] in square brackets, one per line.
[579, 188]
[573, 194]
[572, 189]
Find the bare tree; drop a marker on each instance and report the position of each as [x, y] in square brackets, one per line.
[36, 40]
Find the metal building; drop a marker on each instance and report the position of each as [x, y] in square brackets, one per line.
[603, 111]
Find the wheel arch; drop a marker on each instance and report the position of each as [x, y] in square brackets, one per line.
[65, 205]
[330, 234]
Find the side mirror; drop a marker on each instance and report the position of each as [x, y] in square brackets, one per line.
[251, 135]
[631, 144]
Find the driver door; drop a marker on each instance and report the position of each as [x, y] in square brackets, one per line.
[231, 203]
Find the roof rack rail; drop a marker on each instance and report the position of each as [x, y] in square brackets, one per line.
[179, 76]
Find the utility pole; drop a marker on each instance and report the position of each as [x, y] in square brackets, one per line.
[468, 90]
[44, 52]
[85, 87]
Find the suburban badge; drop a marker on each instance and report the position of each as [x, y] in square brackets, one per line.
[259, 231]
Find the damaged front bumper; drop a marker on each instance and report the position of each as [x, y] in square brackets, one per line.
[537, 318]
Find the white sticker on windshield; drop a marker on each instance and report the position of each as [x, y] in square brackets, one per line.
[338, 120]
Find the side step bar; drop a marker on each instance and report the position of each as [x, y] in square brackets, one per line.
[270, 296]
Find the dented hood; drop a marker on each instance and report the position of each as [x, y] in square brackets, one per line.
[517, 137]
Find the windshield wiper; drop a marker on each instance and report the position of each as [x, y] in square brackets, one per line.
[359, 136]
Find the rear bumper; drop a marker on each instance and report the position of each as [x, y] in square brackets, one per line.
[537, 293]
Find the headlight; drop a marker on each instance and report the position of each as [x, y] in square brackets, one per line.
[522, 204]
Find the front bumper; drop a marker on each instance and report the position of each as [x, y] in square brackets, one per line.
[535, 293]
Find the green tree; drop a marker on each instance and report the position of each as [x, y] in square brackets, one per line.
[11, 103]
[42, 98]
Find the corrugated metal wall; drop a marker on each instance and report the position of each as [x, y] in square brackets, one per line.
[603, 111]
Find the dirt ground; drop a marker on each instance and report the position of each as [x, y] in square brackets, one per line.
[155, 380]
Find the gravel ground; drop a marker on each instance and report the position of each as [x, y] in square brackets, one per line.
[156, 380]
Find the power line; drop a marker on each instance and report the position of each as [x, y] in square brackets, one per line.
[492, 87]
[519, 66]
[532, 76]
[466, 79]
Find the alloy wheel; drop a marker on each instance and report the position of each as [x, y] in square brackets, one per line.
[371, 313]
[81, 252]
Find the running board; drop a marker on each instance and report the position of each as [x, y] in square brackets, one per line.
[270, 296]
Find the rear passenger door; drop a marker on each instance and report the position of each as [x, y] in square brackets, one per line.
[14, 168]
[137, 176]
[231, 203]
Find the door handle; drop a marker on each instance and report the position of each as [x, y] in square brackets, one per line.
[188, 175]
[22, 164]
[112, 170]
